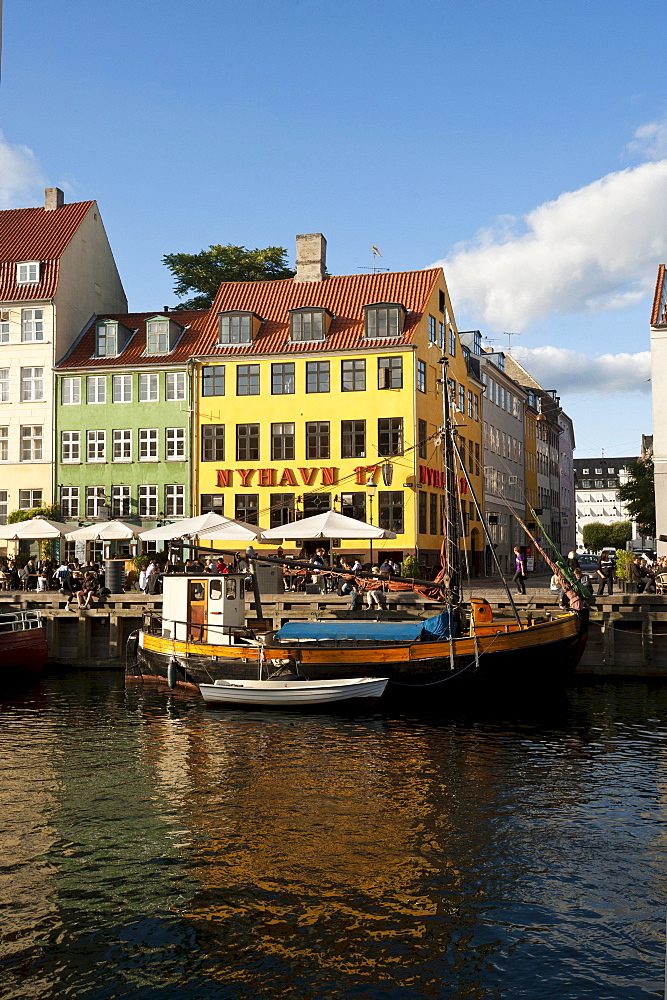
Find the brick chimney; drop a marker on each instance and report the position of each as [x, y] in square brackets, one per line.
[53, 198]
[311, 257]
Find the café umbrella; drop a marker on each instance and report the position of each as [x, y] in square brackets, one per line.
[106, 531]
[36, 529]
[330, 524]
[209, 525]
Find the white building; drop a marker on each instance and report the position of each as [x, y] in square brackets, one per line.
[56, 272]
[596, 484]
[659, 381]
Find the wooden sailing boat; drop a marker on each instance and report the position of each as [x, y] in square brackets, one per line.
[201, 635]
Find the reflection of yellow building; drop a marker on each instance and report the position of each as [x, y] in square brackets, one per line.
[326, 392]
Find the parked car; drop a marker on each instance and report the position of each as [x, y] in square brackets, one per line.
[588, 562]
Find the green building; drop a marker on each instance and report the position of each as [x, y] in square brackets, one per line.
[123, 424]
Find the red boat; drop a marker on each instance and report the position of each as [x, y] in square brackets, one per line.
[23, 649]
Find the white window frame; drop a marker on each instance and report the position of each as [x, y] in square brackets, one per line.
[148, 501]
[106, 336]
[4, 385]
[175, 444]
[4, 326]
[94, 500]
[30, 499]
[175, 386]
[121, 388]
[121, 501]
[70, 390]
[27, 272]
[4, 506]
[174, 501]
[96, 389]
[69, 502]
[149, 388]
[32, 325]
[158, 341]
[148, 444]
[70, 446]
[121, 450]
[32, 385]
[32, 443]
[96, 446]
[4, 444]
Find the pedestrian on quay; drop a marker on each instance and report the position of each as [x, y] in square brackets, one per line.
[520, 570]
[605, 573]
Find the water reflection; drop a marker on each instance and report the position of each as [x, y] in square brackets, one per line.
[160, 849]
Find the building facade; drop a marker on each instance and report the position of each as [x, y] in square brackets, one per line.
[124, 419]
[56, 271]
[325, 392]
[659, 404]
[596, 482]
[568, 520]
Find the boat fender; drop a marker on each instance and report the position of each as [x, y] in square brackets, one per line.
[172, 674]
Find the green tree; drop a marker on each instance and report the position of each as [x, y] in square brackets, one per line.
[638, 495]
[621, 533]
[597, 536]
[51, 513]
[205, 271]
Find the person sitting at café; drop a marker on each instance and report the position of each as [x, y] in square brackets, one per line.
[29, 576]
[42, 582]
[376, 598]
[638, 575]
[89, 591]
[74, 586]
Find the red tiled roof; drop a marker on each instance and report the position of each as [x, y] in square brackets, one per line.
[35, 234]
[655, 312]
[343, 296]
[82, 353]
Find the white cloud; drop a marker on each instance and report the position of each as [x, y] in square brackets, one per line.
[20, 175]
[571, 372]
[650, 141]
[590, 250]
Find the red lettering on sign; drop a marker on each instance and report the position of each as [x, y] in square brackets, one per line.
[329, 477]
[245, 475]
[266, 477]
[463, 484]
[422, 473]
[224, 477]
[287, 478]
[308, 476]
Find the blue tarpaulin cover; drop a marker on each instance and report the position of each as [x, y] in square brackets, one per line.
[429, 630]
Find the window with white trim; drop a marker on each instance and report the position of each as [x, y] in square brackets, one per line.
[121, 501]
[29, 499]
[174, 501]
[121, 388]
[32, 385]
[32, 325]
[31, 443]
[96, 446]
[4, 506]
[27, 273]
[122, 446]
[4, 385]
[4, 444]
[70, 391]
[174, 385]
[148, 444]
[96, 389]
[4, 326]
[70, 446]
[95, 500]
[175, 444]
[148, 501]
[157, 336]
[106, 339]
[69, 502]
[148, 388]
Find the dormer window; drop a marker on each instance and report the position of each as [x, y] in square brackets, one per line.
[161, 335]
[384, 319]
[237, 327]
[27, 273]
[309, 324]
[110, 338]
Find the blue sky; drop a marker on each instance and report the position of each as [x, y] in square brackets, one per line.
[523, 144]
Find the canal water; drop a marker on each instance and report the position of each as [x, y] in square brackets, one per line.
[151, 848]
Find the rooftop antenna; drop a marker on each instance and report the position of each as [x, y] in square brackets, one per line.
[375, 269]
[509, 339]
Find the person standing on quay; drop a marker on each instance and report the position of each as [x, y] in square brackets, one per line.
[520, 570]
[605, 573]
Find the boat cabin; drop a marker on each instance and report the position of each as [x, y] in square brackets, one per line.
[203, 608]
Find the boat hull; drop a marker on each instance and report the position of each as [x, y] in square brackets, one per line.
[23, 654]
[518, 660]
[294, 694]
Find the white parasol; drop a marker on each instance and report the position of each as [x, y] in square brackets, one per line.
[105, 531]
[36, 529]
[330, 524]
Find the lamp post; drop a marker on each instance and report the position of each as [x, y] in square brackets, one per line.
[371, 487]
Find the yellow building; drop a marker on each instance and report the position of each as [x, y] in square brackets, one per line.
[325, 392]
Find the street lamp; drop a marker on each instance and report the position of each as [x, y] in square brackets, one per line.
[371, 487]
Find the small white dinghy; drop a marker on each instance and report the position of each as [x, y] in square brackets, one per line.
[293, 693]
